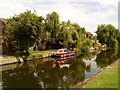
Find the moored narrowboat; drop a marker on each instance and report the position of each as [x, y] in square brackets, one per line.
[63, 53]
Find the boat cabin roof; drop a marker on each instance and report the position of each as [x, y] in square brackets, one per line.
[63, 50]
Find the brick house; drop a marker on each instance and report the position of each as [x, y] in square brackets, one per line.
[2, 23]
[49, 43]
[89, 35]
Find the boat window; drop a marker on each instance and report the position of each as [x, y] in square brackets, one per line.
[68, 51]
[64, 50]
[60, 50]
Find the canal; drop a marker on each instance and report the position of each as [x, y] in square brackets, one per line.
[56, 72]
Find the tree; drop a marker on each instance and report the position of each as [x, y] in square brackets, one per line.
[28, 29]
[73, 34]
[108, 34]
[52, 24]
[24, 30]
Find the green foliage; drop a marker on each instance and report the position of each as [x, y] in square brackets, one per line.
[52, 24]
[94, 38]
[109, 35]
[85, 45]
[73, 34]
[66, 32]
[26, 29]
[118, 37]
[23, 30]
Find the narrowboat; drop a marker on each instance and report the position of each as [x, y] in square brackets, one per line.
[71, 58]
[63, 53]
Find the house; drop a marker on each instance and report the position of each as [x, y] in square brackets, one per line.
[49, 43]
[95, 42]
[89, 35]
[2, 23]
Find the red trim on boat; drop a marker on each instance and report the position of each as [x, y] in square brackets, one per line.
[65, 53]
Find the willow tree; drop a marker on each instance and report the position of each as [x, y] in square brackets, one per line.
[73, 34]
[24, 30]
[81, 42]
[108, 34]
[52, 24]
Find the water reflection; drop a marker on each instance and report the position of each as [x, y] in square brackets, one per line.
[54, 76]
[107, 57]
[60, 72]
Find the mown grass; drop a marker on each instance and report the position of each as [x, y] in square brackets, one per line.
[41, 52]
[31, 52]
[34, 55]
[108, 79]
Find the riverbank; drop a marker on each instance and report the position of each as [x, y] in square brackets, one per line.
[34, 55]
[106, 78]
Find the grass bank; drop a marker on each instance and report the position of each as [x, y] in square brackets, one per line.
[107, 79]
[39, 54]
[34, 55]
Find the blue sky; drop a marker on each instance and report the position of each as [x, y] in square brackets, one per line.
[87, 13]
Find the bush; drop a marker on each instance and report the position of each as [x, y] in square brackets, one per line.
[114, 43]
[85, 45]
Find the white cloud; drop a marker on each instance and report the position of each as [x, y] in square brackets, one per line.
[9, 7]
[88, 14]
[107, 2]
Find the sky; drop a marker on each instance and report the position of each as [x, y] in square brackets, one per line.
[87, 13]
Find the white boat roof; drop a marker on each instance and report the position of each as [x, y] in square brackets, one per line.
[62, 49]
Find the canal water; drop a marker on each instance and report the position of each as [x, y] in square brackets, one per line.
[56, 72]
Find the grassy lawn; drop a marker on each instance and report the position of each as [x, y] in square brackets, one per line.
[41, 52]
[32, 52]
[108, 79]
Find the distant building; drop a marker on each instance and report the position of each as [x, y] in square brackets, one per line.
[49, 43]
[89, 35]
[2, 23]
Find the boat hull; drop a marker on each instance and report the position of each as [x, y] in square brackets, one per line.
[66, 58]
[64, 54]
